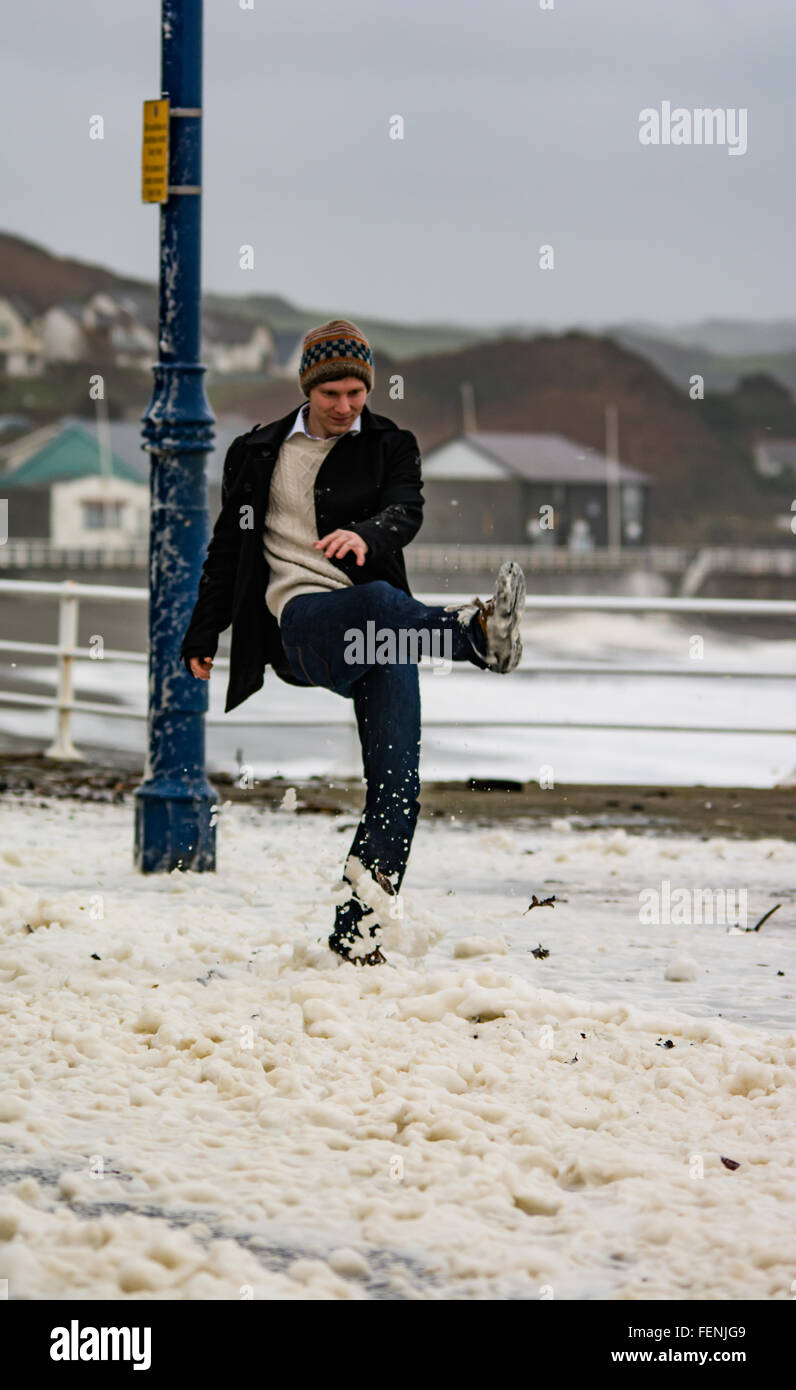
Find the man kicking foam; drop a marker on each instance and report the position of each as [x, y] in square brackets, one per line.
[307, 551]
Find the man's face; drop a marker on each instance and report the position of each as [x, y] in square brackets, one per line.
[335, 405]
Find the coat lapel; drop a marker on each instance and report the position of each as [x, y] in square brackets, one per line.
[264, 444]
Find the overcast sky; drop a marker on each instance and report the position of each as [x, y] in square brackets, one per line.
[521, 129]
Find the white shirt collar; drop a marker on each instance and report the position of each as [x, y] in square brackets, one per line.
[300, 423]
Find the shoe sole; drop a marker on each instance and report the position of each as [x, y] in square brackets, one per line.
[509, 606]
[509, 593]
[516, 655]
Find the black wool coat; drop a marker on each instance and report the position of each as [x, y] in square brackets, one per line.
[369, 482]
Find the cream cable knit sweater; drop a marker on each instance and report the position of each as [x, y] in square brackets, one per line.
[290, 529]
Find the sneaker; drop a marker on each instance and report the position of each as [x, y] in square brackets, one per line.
[374, 957]
[515, 655]
[341, 943]
[499, 618]
[346, 934]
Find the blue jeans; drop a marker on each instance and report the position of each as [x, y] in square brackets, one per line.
[316, 631]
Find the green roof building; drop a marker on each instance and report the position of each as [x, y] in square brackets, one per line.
[73, 453]
[65, 493]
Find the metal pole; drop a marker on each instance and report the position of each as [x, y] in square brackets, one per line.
[62, 745]
[104, 437]
[174, 823]
[469, 424]
[613, 500]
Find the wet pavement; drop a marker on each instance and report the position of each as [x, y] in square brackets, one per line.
[732, 812]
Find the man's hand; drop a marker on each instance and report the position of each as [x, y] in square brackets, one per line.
[340, 542]
[201, 667]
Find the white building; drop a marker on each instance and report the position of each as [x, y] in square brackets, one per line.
[512, 487]
[236, 347]
[62, 333]
[72, 493]
[21, 348]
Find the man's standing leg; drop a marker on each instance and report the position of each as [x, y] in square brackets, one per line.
[316, 629]
[387, 705]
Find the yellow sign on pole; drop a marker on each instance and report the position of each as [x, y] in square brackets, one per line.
[155, 152]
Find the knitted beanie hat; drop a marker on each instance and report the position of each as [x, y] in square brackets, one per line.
[334, 350]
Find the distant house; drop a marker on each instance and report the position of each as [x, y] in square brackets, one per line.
[539, 489]
[123, 328]
[37, 467]
[68, 492]
[20, 340]
[100, 310]
[126, 442]
[286, 360]
[63, 334]
[134, 333]
[773, 457]
[23, 445]
[132, 344]
[119, 326]
[230, 344]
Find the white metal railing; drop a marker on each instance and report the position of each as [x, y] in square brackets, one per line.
[447, 556]
[429, 555]
[663, 559]
[66, 652]
[44, 554]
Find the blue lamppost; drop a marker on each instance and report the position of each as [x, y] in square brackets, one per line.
[174, 821]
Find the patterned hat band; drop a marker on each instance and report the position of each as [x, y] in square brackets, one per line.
[336, 349]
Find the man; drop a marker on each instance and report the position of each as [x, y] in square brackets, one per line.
[306, 558]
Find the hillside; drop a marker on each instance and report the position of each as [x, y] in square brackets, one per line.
[720, 372]
[699, 458]
[698, 452]
[562, 385]
[43, 279]
[723, 337]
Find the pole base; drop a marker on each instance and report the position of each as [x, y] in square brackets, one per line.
[175, 829]
[63, 750]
